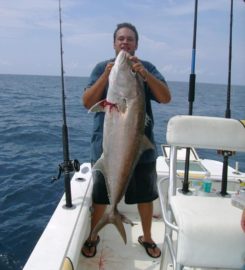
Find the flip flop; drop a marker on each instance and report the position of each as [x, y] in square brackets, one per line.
[89, 245]
[148, 246]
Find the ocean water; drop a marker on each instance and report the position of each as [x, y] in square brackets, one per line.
[31, 147]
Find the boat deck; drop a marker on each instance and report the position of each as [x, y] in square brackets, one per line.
[113, 254]
[68, 228]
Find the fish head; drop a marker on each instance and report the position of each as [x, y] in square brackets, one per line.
[122, 67]
[123, 82]
[122, 58]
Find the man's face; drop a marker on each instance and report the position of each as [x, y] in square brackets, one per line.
[125, 40]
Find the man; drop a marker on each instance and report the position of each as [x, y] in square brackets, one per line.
[142, 187]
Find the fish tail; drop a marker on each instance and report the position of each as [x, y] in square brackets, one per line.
[113, 217]
[118, 222]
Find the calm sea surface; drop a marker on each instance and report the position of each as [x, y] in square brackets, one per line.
[31, 148]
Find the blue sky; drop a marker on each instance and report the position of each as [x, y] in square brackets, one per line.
[29, 33]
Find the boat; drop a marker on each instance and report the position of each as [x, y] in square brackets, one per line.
[59, 247]
[60, 244]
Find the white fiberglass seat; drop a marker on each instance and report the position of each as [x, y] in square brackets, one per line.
[206, 230]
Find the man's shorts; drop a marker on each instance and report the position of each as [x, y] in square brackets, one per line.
[142, 187]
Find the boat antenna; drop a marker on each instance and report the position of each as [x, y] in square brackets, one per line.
[191, 98]
[68, 165]
[227, 154]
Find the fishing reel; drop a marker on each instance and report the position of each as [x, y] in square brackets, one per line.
[67, 167]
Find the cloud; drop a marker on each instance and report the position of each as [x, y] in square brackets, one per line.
[89, 38]
[29, 35]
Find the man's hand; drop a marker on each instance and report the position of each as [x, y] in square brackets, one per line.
[108, 68]
[138, 67]
[159, 89]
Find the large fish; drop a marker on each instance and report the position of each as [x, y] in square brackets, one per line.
[123, 136]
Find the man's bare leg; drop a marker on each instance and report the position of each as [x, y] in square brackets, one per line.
[98, 211]
[146, 213]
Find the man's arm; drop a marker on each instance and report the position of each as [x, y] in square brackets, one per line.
[159, 89]
[93, 94]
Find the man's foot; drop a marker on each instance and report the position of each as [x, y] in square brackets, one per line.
[89, 248]
[151, 248]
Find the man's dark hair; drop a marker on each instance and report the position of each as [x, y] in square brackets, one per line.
[126, 25]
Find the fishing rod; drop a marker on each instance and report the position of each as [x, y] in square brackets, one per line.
[227, 154]
[68, 165]
[228, 110]
[191, 98]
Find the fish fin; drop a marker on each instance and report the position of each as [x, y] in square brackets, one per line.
[147, 120]
[127, 220]
[98, 107]
[146, 144]
[113, 217]
[119, 225]
[99, 165]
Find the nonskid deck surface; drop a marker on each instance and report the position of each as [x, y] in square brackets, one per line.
[113, 254]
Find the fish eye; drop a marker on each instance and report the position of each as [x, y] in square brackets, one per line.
[133, 72]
